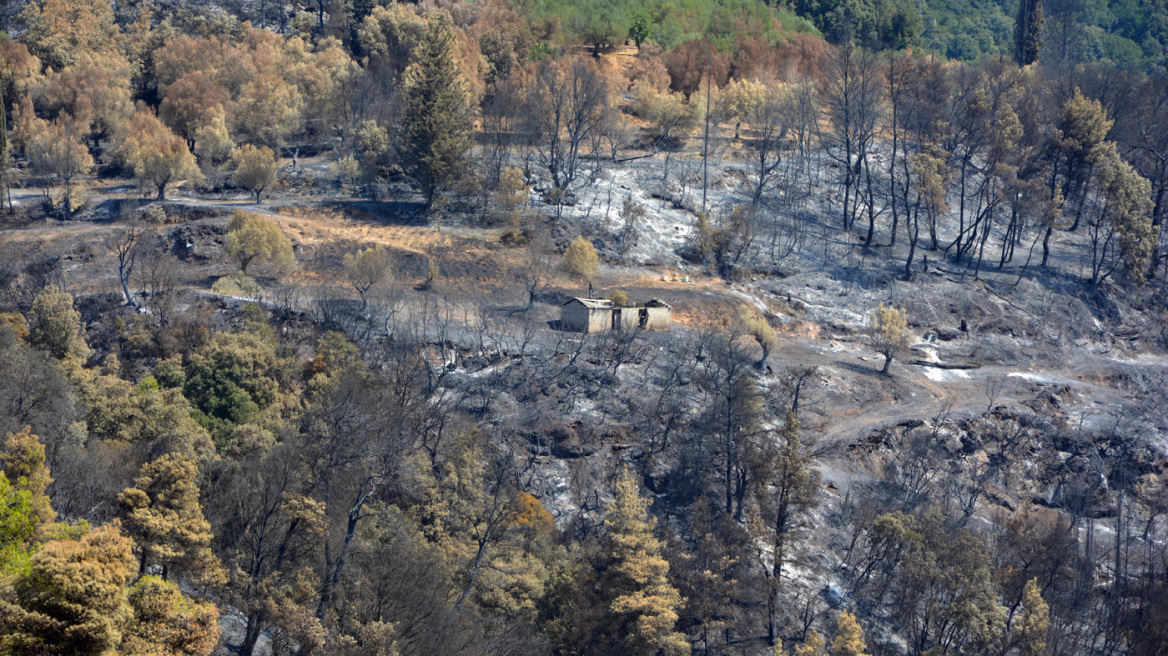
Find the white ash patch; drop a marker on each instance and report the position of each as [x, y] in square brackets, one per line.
[930, 354]
[944, 375]
[660, 233]
[1031, 376]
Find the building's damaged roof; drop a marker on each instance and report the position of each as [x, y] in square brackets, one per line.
[592, 303]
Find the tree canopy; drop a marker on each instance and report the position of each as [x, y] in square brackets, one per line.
[254, 237]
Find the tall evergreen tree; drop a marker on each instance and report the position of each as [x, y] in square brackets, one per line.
[1031, 633]
[162, 514]
[1028, 32]
[849, 638]
[790, 491]
[435, 124]
[5, 155]
[643, 600]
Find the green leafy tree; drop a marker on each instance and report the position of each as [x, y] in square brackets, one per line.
[640, 28]
[157, 419]
[498, 538]
[940, 583]
[22, 460]
[233, 377]
[162, 513]
[1080, 144]
[435, 124]
[17, 524]
[872, 24]
[253, 237]
[641, 598]
[599, 23]
[334, 354]
[255, 168]
[1120, 229]
[55, 326]
[1032, 631]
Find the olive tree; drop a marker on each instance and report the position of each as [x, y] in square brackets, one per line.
[890, 333]
[581, 261]
[255, 168]
[253, 237]
[368, 268]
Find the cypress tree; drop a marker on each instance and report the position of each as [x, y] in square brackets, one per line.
[435, 125]
[1028, 32]
[4, 155]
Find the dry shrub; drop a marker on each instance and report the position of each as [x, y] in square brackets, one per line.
[799, 58]
[689, 63]
[651, 70]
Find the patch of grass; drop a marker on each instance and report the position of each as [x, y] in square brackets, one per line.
[237, 284]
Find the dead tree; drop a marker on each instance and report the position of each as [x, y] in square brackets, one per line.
[852, 96]
[124, 246]
[568, 102]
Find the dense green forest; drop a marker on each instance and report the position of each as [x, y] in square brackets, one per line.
[1128, 34]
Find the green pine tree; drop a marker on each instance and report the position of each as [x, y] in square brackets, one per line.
[435, 125]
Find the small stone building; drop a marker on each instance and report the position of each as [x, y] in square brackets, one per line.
[593, 315]
[586, 315]
[658, 315]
